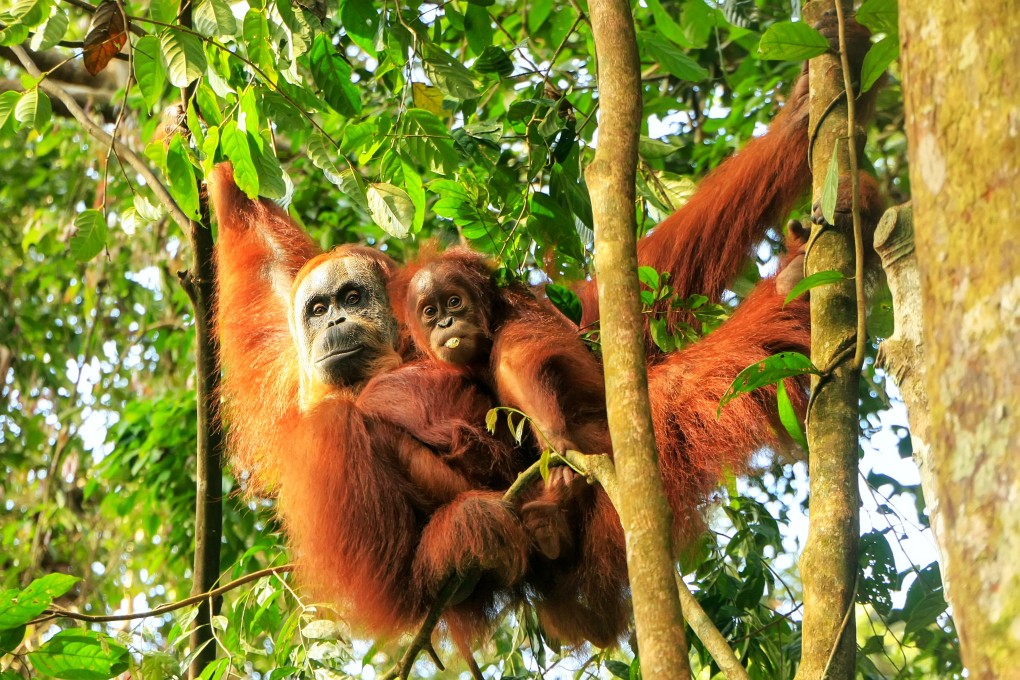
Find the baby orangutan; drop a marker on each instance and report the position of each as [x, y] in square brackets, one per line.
[529, 355]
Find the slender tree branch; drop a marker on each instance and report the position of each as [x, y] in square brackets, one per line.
[123, 150]
[57, 613]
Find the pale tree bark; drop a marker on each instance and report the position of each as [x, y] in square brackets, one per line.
[902, 355]
[962, 101]
[643, 509]
[828, 565]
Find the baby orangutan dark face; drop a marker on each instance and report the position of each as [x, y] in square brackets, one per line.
[451, 322]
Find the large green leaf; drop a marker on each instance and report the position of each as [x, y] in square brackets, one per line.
[183, 57]
[768, 372]
[659, 50]
[150, 73]
[33, 109]
[234, 144]
[80, 654]
[362, 22]
[8, 101]
[339, 172]
[391, 208]
[791, 41]
[881, 16]
[333, 76]
[90, 237]
[51, 33]
[215, 18]
[181, 176]
[19, 607]
[877, 60]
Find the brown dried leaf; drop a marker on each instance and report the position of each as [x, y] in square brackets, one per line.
[106, 36]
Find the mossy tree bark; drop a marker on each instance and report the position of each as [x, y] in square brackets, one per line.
[643, 509]
[828, 566]
[962, 101]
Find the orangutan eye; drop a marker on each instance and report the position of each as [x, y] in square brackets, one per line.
[318, 309]
[429, 312]
[453, 302]
[353, 298]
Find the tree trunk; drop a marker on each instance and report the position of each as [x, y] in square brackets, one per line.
[962, 101]
[828, 566]
[643, 509]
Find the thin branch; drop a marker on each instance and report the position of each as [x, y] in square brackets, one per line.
[57, 613]
[123, 150]
[705, 629]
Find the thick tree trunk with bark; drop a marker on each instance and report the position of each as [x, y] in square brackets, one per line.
[643, 509]
[962, 100]
[828, 566]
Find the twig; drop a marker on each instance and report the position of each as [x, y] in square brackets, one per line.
[57, 613]
[124, 151]
[851, 142]
[709, 635]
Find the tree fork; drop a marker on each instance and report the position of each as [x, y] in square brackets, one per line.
[644, 511]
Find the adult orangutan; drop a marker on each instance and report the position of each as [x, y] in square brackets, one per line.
[376, 518]
[378, 513]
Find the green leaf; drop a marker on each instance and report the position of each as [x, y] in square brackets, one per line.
[14, 34]
[215, 18]
[791, 41]
[551, 225]
[90, 237]
[10, 639]
[361, 20]
[878, 576]
[881, 16]
[813, 281]
[772, 370]
[31, 13]
[183, 57]
[663, 339]
[342, 174]
[333, 76]
[565, 300]
[830, 189]
[18, 608]
[149, 70]
[181, 175]
[478, 27]
[448, 74]
[416, 192]
[257, 40]
[649, 276]
[234, 144]
[788, 416]
[657, 49]
[494, 60]
[666, 26]
[80, 654]
[51, 33]
[877, 60]
[391, 208]
[538, 12]
[8, 101]
[491, 417]
[33, 109]
[164, 11]
[271, 182]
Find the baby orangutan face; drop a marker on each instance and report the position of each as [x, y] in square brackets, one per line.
[451, 322]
